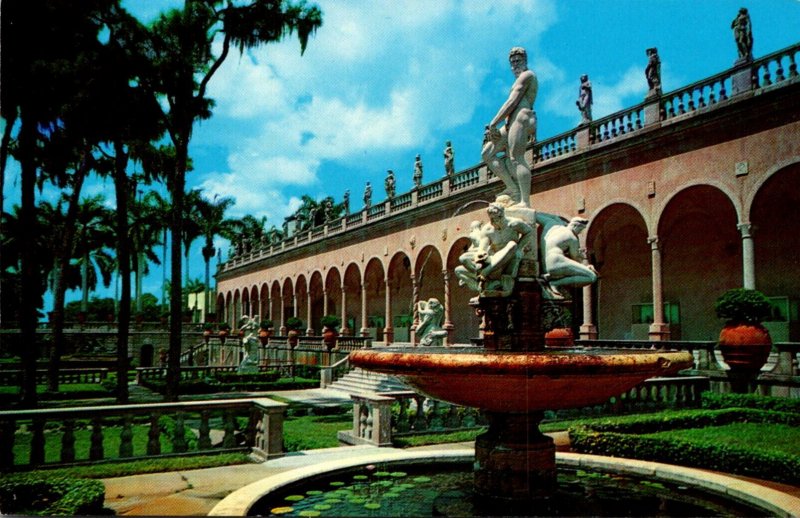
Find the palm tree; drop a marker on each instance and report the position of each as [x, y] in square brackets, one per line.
[183, 44]
[213, 223]
[191, 226]
[94, 238]
[143, 232]
[160, 209]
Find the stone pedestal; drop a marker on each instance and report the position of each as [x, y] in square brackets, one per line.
[513, 459]
[742, 78]
[513, 323]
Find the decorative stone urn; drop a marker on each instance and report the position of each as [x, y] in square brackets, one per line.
[329, 333]
[559, 337]
[263, 335]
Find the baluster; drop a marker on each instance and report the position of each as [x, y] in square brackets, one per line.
[452, 420]
[362, 421]
[702, 99]
[722, 92]
[573, 145]
[68, 441]
[37, 442]
[767, 80]
[96, 439]
[204, 439]
[779, 72]
[179, 439]
[605, 130]
[638, 120]
[670, 108]
[229, 441]
[8, 427]
[403, 424]
[126, 437]
[469, 419]
[419, 419]
[792, 66]
[154, 436]
[436, 419]
[613, 124]
[629, 118]
[681, 107]
[691, 101]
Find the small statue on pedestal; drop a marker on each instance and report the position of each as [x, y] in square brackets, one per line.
[389, 184]
[653, 72]
[417, 171]
[449, 160]
[584, 101]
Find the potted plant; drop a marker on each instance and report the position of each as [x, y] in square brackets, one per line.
[744, 343]
[264, 331]
[293, 325]
[223, 329]
[329, 332]
[208, 328]
[556, 324]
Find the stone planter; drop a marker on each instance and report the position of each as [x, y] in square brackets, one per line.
[263, 336]
[559, 337]
[293, 335]
[329, 337]
[745, 347]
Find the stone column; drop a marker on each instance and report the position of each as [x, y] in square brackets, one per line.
[324, 302]
[415, 301]
[309, 329]
[659, 330]
[388, 330]
[364, 309]
[282, 319]
[588, 330]
[748, 256]
[345, 330]
[448, 323]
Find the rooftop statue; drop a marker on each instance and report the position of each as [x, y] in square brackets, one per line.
[584, 101]
[743, 34]
[367, 196]
[346, 202]
[389, 184]
[653, 72]
[417, 171]
[449, 160]
[519, 125]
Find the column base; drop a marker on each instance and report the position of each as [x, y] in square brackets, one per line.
[588, 332]
[659, 332]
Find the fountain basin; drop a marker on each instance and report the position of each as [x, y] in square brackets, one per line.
[520, 382]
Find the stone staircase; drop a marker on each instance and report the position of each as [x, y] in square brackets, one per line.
[360, 381]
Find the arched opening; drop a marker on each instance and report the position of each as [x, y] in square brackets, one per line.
[401, 297]
[466, 324]
[352, 302]
[317, 302]
[375, 293]
[618, 249]
[701, 257]
[775, 209]
[302, 303]
[333, 294]
[287, 300]
[263, 310]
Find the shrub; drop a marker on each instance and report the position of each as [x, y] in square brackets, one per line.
[265, 324]
[44, 494]
[294, 323]
[224, 326]
[743, 306]
[330, 321]
[713, 400]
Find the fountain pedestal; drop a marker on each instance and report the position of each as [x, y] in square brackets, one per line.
[512, 323]
[513, 459]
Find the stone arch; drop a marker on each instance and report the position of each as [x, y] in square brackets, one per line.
[375, 298]
[725, 190]
[301, 300]
[316, 291]
[264, 298]
[774, 211]
[276, 313]
[287, 301]
[781, 168]
[220, 313]
[236, 309]
[401, 297]
[333, 294]
[255, 303]
[351, 284]
[701, 256]
[466, 324]
[617, 246]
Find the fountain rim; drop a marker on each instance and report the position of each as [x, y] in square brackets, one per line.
[414, 360]
[770, 500]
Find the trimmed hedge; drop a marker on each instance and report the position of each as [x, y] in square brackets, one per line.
[47, 495]
[201, 386]
[713, 400]
[719, 457]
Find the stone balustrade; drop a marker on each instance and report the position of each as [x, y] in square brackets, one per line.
[771, 71]
[10, 377]
[213, 424]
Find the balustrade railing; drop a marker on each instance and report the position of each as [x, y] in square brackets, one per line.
[51, 436]
[769, 71]
[12, 377]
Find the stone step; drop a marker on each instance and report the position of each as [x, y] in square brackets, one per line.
[359, 380]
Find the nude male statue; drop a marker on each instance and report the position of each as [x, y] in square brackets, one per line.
[562, 255]
[490, 265]
[512, 138]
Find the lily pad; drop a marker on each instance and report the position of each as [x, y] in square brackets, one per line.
[294, 498]
[281, 510]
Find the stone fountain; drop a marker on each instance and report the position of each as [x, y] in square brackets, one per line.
[520, 260]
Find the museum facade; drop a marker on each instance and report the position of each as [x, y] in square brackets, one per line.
[688, 194]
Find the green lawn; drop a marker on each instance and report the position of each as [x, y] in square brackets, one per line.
[773, 438]
[313, 432]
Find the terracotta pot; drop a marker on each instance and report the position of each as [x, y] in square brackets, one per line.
[559, 337]
[292, 334]
[206, 336]
[263, 336]
[745, 347]
[329, 337]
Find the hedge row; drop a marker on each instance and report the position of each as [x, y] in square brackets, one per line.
[48, 495]
[208, 386]
[713, 400]
[719, 457]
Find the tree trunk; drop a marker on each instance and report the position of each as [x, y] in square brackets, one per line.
[30, 288]
[60, 284]
[124, 266]
[176, 255]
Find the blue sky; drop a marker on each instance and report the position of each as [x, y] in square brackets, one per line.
[383, 81]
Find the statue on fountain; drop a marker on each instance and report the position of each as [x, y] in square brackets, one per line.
[491, 265]
[562, 256]
[519, 126]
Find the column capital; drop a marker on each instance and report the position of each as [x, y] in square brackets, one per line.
[747, 229]
[653, 242]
